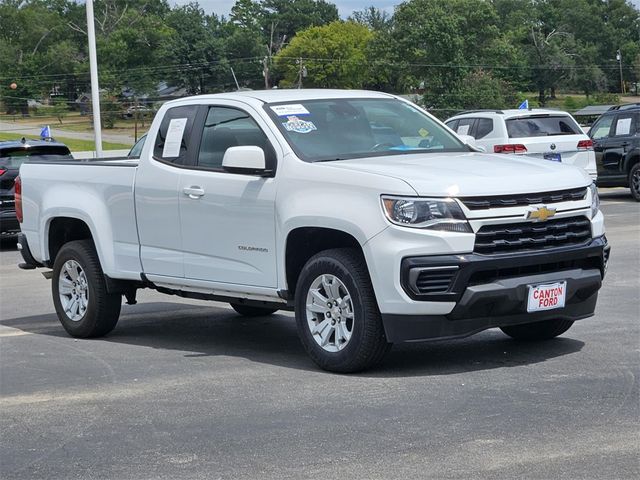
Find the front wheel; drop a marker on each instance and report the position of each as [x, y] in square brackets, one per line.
[544, 330]
[634, 181]
[337, 315]
[80, 296]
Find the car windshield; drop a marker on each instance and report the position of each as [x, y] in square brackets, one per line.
[13, 158]
[342, 129]
[542, 126]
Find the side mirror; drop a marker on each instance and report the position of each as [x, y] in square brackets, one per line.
[471, 143]
[247, 160]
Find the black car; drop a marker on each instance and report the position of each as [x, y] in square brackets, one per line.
[12, 155]
[616, 141]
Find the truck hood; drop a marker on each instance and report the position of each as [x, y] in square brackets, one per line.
[471, 174]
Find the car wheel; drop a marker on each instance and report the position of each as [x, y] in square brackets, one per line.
[336, 311]
[544, 330]
[634, 181]
[80, 296]
[251, 311]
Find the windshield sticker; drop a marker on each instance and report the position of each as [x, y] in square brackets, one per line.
[423, 132]
[173, 139]
[286, 110]
[294, 124]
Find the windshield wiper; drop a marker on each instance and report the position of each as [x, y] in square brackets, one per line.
[330, 159]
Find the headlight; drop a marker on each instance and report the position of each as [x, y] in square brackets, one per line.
[595, 200]
[432, 213]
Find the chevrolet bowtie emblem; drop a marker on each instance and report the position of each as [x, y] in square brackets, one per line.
[541, 213]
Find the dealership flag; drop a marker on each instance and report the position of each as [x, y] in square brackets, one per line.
[45, 132]
[524, 105]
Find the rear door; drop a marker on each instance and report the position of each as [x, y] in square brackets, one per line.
[620, 142]
[157, 194]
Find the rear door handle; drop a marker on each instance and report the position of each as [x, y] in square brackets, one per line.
[193, 191]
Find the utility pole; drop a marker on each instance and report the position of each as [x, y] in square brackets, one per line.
[302, 71]
[619, 59]
[265, 72]
[93, 69]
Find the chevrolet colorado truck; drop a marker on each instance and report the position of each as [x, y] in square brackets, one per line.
[358, 210]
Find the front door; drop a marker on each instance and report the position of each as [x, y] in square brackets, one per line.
[600, 134]
[228, 219]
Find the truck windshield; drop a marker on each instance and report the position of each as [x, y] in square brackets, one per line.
[342, 129]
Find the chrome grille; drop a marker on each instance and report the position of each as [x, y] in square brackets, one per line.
[480, 203]
[515, 237]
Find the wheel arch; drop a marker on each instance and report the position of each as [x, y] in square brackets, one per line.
[302, 243]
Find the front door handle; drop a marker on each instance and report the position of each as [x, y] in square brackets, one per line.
[193, 191]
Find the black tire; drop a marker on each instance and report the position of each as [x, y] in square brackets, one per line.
[251, 311]
[368, 344]
[634, 181]
[544, 330]
[103, 309]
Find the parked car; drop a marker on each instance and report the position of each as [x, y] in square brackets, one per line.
[136, 150]
[12, 155]
[544, 134]
[616, 141]
[141, 110]
[358, 210]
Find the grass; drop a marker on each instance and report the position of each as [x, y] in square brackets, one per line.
[73, 144]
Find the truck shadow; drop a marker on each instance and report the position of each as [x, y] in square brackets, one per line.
[202, 331]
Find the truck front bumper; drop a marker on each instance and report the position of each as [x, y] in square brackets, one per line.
[491, 291]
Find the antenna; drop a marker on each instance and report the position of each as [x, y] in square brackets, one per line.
[234, 78]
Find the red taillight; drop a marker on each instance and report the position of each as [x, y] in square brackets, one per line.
[515, 148]
[585, 144]
[2, 170]
[17, 195]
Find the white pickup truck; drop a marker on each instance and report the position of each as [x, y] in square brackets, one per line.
[358, 210]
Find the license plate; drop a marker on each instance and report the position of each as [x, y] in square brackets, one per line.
[554, 157]
[546, 297]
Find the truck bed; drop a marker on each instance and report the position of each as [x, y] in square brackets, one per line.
[98, 192]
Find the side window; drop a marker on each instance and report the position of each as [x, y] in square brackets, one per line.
[483, 128]
[452, 124]
[172, 141]
[625, 125]
[227, 127]
[465, 126]
[601, 128]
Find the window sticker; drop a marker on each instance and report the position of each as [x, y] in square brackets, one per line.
[463, 130]
[286, 110]
[623, 127]
[294, 124]
[423, 132]
[173, 139]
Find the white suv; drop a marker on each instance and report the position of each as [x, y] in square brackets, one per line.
[545, 134]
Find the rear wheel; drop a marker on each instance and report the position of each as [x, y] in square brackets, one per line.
[337, 315]
[251, 311]
[539, 330]
[80, 296]
[634, 181]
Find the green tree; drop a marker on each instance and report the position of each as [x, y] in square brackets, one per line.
[333, 56]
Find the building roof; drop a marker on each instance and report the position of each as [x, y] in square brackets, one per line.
[592, 110]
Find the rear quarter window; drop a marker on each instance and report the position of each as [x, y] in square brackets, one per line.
[542, 126]
[172, 143]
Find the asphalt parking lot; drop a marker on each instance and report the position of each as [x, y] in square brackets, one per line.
[187, 389]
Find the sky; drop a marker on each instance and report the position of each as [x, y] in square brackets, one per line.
[345, 7]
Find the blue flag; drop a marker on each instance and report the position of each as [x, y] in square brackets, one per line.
[524, 105]
[45, 132]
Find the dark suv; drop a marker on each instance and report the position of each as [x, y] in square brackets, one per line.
[12, 155]
[616, 141]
